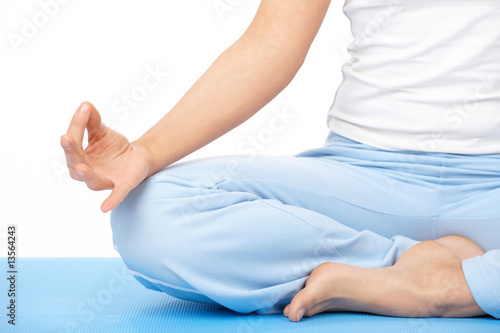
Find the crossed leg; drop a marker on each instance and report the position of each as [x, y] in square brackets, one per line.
[249, 239]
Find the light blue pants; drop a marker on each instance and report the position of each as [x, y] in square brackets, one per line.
[245, 231]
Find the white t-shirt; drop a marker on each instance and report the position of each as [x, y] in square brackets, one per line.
[424, 75]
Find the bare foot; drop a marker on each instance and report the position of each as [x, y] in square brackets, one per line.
[426, 281]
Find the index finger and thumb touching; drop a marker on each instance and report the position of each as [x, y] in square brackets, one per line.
[85, 117]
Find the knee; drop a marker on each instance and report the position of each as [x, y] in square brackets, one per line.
[149, 223]
[127, 236]
[133, 225]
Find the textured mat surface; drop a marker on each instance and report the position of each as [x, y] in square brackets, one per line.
[99, 295]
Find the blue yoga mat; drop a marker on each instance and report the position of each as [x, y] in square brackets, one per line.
[99, 295]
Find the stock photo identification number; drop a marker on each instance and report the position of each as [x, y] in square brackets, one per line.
[11, 273]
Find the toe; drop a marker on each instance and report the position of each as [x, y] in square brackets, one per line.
[301, 303]
[285, 310]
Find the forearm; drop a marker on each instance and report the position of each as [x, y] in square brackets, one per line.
[243, 79]
[239, 83]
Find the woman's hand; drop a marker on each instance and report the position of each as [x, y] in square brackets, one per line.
[110, 161]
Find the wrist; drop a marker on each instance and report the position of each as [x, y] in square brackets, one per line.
[149, 157]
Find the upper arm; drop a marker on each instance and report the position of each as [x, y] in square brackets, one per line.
[287, 26]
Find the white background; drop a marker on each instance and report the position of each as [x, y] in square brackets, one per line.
[98, 51]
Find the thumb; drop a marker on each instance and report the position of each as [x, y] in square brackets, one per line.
[95, 126]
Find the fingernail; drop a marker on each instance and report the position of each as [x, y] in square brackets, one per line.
[300, 314]
[64, 143]
[79, 173]
[84, 109]
[285, 312]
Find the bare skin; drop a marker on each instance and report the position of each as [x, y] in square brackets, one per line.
[244, 78]
[426, 281]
